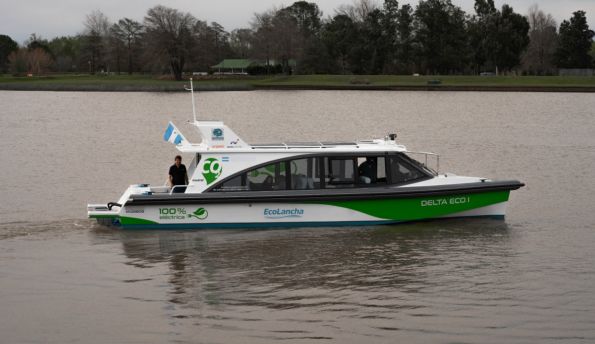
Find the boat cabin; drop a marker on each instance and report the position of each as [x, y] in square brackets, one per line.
[225, 163]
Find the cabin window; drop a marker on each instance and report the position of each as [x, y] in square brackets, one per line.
[339, 172]
[305, 174]
[402, 171]
[371, 170]
[237, 183]
[267, 178]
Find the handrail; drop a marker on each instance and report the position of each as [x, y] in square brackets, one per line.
[426, 154]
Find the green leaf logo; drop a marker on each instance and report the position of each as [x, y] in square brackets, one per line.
[200, 213]
[211, 170]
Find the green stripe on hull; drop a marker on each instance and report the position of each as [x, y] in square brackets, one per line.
[424, 207]
[103, 216]
[125, 221]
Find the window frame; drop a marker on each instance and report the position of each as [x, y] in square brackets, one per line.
[404, 159]
[321, 157]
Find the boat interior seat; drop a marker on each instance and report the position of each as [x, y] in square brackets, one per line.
[365, 180]
[301, 182]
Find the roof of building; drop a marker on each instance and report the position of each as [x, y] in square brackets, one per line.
[245, 63]
[234, 64]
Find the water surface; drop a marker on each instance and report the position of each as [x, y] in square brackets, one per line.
[527, 279]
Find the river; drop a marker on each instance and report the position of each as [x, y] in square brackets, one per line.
[526, 279]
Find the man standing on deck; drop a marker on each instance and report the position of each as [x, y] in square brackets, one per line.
[178, 175]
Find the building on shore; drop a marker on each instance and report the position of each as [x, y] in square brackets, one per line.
[576, 72]
[243, 66]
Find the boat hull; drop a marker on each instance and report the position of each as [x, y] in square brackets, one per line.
[179, 213]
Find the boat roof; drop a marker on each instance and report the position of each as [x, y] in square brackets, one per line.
[378, 145]
[218, 138]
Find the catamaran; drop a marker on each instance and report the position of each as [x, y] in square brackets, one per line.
[233, 184]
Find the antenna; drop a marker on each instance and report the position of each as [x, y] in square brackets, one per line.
[191, 89]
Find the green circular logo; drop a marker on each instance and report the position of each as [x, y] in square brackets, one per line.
[211, 170]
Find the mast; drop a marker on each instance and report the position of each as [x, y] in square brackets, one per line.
[191, 89]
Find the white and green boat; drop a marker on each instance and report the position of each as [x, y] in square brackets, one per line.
[233, 184]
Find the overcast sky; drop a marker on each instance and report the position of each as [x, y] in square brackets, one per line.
[51, 18]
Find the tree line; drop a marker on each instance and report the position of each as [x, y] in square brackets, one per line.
[365, 37]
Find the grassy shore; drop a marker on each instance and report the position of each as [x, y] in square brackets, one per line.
[314, 82]
[117, 83]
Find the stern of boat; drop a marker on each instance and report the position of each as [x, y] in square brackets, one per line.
[105, 214]
[109, 214]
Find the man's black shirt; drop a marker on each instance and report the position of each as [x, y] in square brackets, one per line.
[178, 174]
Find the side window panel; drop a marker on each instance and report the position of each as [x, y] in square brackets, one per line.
[339, 172]
[403, 172]
[371, 170]
[267, 178]
[305, 174]
[235, 184]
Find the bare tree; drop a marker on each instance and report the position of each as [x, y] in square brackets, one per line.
[277, 36]
[96, 36]
[38, 61]
[32, 61]
[358, 11]
[240, 41]
[539, 57]
[169, 35]
[262, 26]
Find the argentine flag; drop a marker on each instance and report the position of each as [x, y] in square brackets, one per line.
[173, 135]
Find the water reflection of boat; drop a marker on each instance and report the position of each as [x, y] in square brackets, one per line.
[246, 266]
[236, 184]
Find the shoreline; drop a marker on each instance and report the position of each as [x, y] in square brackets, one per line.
[285, 87]
[147, 83]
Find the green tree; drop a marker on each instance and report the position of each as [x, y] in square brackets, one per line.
[220, 40]
[498, 38]
[306, 15]
[512, 37]
[389, 22]
[483, 32]
[169, 36]
[212, 45]
[375, 45]
[7, 46]
[405, 40]
[128, 32]
[441, 35]
[340, 36]
[67, 52]
[484, 8]
[310, 51]
[575, 42]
